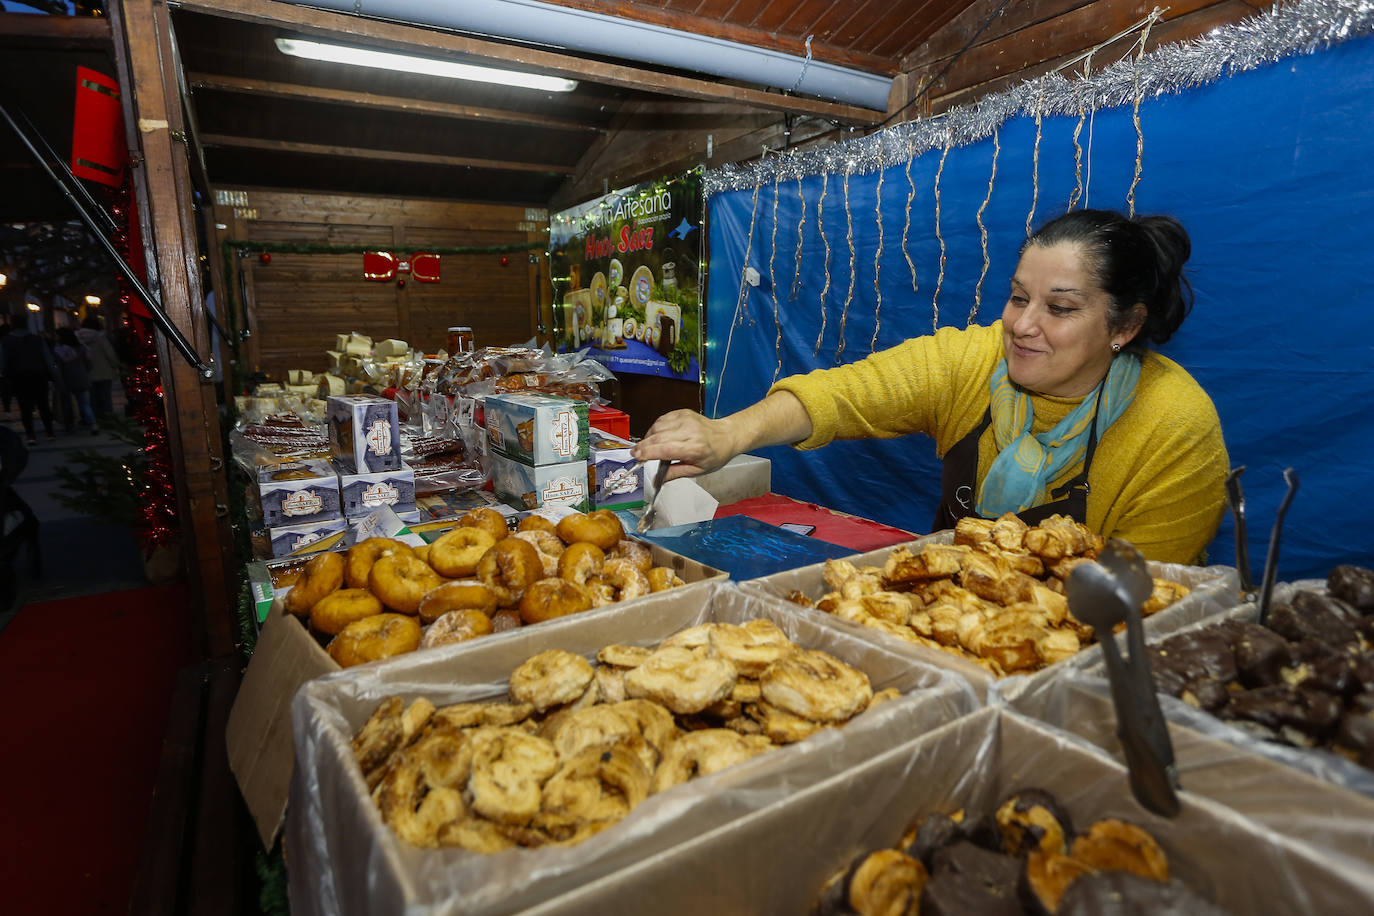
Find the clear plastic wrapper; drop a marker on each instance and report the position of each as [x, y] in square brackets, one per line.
[776, 859]
[344, 859]
[491, 370]
[1212, 589]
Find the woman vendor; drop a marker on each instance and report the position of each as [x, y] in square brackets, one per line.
[1058, 407]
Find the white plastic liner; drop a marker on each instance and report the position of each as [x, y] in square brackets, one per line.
[343, 859]
[776, 859]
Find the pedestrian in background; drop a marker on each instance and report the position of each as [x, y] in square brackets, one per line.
[104, 365]
[30, 368]
[75, 362]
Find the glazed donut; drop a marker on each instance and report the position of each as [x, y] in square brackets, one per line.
[626, 578]
[507, 619]
[363, 554]
[635, 552]
[489, 520]
[457, 551]
[551, 678]
[401, 580]
[462, 595]
[581, 561]
[338, 609]
[422, 552]
[508, 569]
[322, 575]
[603, 593]
[662, 578]
[456, 626]
[536, 523]
[546, 599]
[378, 636]
[601, 526]
[548, 544]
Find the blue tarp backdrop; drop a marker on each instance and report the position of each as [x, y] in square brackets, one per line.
[1269, 170]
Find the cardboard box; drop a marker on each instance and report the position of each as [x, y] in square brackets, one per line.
[615, 478]
[312, 537]
[529, 487]
[364, 433]
[287, 655]
[776, 859]
[298, 492]
[537, 429]
[344, 859]
[363, 492]
[1213, 588]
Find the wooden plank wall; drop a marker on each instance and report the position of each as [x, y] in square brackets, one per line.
[299, 302]
[1032, 37]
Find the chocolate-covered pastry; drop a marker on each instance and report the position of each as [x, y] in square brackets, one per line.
[968, 879]
[1046, 877]
[1033, 819]
[936, 831]
[1260, 655]
[1307, 618]
[1200, 652]
[1310, 602]
[1206, 693]
[1120, 893]
[1353, 585]
[1310, 711]
[1334, 675]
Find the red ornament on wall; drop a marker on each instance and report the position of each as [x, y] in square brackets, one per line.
[265, 257]
[504, 260]
[401, 283]
[384, 265]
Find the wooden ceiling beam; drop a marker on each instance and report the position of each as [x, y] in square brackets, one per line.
[381, 102]
[408, 38]
[70, 33]
[351, 152]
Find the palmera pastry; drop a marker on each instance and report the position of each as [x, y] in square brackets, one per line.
[551, 678]
[508, 569]
[401, 581]
[601, 527]
[596, 785]
[703, 752]
[752, 646]
[681, 681]
[339, 608]
[509, 768]
[456, 552]
[375, 637]
[463, 594]
[322, 575]
[488, 519]
[456, 626]
[361, 556]
[546, 599]
[815, 686]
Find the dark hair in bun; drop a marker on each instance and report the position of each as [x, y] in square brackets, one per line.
[1134, 259]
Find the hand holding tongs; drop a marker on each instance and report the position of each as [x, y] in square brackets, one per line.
[1103, 594]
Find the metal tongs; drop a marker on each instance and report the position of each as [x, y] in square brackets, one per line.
[1236, 500]
[1103, 594]
[646, 520]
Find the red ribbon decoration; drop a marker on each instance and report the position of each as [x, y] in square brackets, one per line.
[383, 265]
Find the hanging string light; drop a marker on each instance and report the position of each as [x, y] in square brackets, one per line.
[1135, 112]
[772, 279]
[906, 226]
[940, 278]
[877, 262]
[738, 318]
[983, 230]
[1035, 169]
[853, 273]
[796, 277]
[820, 227]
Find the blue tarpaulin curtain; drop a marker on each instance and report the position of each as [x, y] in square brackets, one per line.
[1269, 170]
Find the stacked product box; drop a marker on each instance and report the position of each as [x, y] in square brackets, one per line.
[539, 448]
[615, 478]
[363, 492]
[364, 434]
[301, 504]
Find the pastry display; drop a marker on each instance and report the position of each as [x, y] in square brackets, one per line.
[995, 596]
[474, 579]
[577, 745]
[1023, 859]
[1305, 679]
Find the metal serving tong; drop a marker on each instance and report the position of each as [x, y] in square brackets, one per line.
[1103, 594]
[1236, 500]
[646, 520]
[1271, 559]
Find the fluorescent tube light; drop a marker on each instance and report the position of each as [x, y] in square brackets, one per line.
[92, 300]
[404, 63]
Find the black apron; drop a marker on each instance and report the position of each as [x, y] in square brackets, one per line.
[959, 483]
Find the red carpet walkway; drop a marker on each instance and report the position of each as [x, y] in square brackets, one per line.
[87, 685]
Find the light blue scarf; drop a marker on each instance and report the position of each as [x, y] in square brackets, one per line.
[1026, 464]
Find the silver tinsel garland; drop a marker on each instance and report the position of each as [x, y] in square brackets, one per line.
[1284, 30]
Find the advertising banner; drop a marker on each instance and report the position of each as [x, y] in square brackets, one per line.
[626, 270]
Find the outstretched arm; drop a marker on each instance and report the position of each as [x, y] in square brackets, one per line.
[701, 445]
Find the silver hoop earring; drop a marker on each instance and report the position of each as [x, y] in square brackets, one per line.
[1116, 348]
